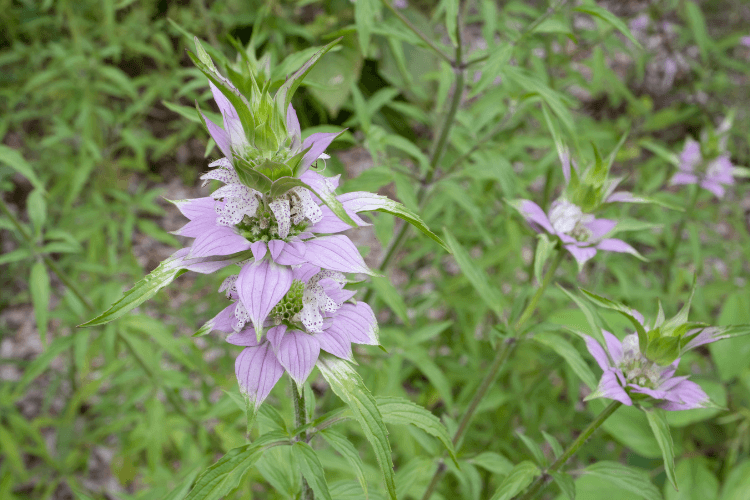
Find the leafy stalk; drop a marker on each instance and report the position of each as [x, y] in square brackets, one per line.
[541, 482]
[300, 419]
[501, 357]
[672, 251]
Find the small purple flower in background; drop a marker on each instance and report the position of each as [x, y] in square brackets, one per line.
[629, 375]
[711, 174]
[745, 40]
[313, 314]
[581, 234]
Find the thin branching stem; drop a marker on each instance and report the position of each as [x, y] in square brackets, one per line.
[675, 243]
[541, 482]
[418, 32]
[51, 265]
[503, 353]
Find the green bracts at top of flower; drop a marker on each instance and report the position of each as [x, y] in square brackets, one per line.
[261, 135]
[665, 340]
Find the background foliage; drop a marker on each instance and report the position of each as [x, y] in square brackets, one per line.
[97, 129]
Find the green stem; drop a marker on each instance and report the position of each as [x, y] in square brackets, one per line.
[47, 261]
[418, 32]
[501, 357]
[672, 251]
[437, 152]
[542, 481]
[300, 419]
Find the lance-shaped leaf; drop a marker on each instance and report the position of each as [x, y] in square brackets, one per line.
[476, 276]
[625, 311]
[629, 478]
[223, 476]
[401, 411]
[516, 481]
[348, 386]
[361, 201]
[657, 420]
[241, 106]
[284, 95]
[284, 184]
[346, 449]
[312, 469]
[160, 277]
[260, 287]
[569, 354]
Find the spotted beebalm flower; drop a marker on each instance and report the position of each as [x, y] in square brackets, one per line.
[709, 173]
[580, 233]
[313, 314]
[629, 375]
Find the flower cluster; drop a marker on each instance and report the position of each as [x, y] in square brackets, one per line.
[279, 221]
[641, 368]
[570, 217]
[629, 374]
[707, 163]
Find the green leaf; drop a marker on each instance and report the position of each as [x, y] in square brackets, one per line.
[532, 84]
[223, 476]
[284, 184]
[659, 426]
[14, 160]
[534, 448]
[251, 177]
[284, 95]
[36, 206]
[451, 20]
[628, 478]
[570, 354]
[565, 482]
[39, 287]
[348, 386]
[611, 19]
[40, 364]
[476, 276]
[516, 481]
[370, 202]
[545, 248]
[392, 298]
[592, 318]
[341, 444]
[697, 482]
[663, 351]
[499, 57]
[312, 469]
[146, 288]
[238, 101]
[493, 462]
[364, 19]
[401, 411]
[698, 30]
[622, 309]
[187, 112]
[557, 449]
[730, 356]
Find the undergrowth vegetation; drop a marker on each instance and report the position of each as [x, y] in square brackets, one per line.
[504, 126]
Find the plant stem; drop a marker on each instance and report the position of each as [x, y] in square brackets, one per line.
[437, 152]
[501, 357]
[418, 32]
[672, 251]
[542, 481]
[300, 419]
[47, 261]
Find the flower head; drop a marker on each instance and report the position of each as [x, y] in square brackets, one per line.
[629, 375]
[710, 171]
[642, 367]
[580, 233]
[313, 314]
